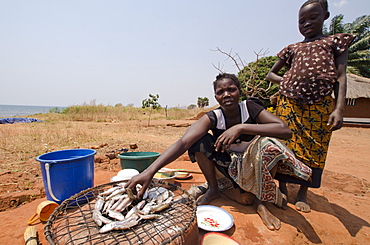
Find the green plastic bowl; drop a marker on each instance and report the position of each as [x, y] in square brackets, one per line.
[138, 160]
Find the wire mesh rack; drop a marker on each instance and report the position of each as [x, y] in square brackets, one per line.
[72, 221]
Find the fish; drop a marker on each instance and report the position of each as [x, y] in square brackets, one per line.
[160, 207]
[153, 193]
[119, 199]
[99, 218]
[135, 210]
[116, 215]
[124, 204]
[120, 225]
[147, 209]
[109, 191]
[116, 192]
[108, 204]
[118, 208]
[99, 203]
[149, 216]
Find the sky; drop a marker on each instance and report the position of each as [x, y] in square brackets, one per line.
[74, 52]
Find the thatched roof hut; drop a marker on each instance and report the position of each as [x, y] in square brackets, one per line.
[357, 87]
[357, 97]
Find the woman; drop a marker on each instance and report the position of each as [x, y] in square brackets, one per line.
[235, 127]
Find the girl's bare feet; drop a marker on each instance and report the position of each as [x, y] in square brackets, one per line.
[210, 195]
[301, 200]
[271, 222]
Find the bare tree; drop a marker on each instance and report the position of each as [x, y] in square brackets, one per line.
[250, 75]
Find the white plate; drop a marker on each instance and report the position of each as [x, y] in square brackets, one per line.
[212, 218]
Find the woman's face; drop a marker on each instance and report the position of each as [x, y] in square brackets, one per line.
[227, 93]
[311, 20]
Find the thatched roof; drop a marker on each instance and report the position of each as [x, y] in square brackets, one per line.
[357, 87]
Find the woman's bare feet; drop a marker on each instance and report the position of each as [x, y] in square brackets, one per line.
[271, 222]
[210, 195]
[301, 200]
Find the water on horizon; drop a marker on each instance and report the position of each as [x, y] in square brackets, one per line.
[23, 110]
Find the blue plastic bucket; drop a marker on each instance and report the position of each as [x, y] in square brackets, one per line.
[67, 172]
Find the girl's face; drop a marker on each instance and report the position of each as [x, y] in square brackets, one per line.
[311, 20]
[227, 93]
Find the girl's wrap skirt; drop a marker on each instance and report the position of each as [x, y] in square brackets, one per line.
[311, 135]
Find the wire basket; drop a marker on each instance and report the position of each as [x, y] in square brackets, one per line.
[72, 221]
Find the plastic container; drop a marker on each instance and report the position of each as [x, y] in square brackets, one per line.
[124, 174]
[216, 238]
[166, 176]
[67, 172]
[138, 160]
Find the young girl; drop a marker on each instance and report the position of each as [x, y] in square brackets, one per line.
[316, 68]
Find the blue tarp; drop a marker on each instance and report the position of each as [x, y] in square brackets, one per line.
[12, 120]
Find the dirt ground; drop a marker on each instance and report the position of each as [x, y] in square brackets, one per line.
[339, 208]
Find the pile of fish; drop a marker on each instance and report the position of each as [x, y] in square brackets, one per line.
[118, 208]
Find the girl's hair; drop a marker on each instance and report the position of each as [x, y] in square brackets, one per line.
[229, 76]
[323, 4]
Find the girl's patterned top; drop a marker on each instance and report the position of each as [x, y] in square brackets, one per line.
[312, 70]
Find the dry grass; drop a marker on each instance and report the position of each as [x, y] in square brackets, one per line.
[87, 126]
[101, 113]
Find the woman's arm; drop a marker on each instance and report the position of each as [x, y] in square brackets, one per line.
[340, 89]
[192, 135]
[273, 126]
[272, 75]
[268, 125]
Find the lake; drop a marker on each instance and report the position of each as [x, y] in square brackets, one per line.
[24, 110]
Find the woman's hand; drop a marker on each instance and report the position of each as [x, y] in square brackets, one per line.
[144, 179]
[225, 140]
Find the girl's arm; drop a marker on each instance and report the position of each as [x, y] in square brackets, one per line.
[340, 89]
[272, 75]
[192, 135]
[268, 125]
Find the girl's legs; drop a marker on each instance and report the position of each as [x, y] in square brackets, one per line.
[208, 169]
[301, 200]
[283, 188]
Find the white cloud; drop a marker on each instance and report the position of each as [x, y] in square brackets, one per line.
[340, 3]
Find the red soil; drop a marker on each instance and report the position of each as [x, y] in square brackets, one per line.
[339, 208]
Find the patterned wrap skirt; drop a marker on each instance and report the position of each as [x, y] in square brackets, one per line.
[250, 170]
[311, 134]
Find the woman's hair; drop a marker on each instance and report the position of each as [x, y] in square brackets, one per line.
[229, 76]
[323, 4]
